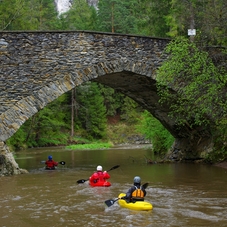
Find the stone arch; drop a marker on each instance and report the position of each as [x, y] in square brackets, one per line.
[21, 111]
[102, 72]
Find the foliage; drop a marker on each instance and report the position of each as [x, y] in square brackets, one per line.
[207, 17]
[112, 100]
[117, 16]
[80, 140]
[92, 146]
[28, 15]
[192, 74]
[134, 17]
[55, 139]
[130, 111]
[48, 122]
[18, 140]
[44, 128]
[152, 17]
[217, 155]
[119, 133]
[117, 103]
[180, 22]
[91, 110]
[213, 23]
[11, 14]
[80, 17]
[153, 130]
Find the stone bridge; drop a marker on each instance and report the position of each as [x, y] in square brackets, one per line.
[38, 67]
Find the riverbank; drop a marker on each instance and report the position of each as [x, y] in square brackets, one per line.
[221, 164]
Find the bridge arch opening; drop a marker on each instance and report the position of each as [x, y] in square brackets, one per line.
[121, 76]
[125, 78]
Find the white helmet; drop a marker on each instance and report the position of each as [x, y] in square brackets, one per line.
[99, 168]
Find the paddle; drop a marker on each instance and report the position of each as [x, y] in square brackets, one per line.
[83, 180]
[61, 162]
[110, 202]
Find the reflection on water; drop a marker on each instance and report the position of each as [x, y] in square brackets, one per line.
[181, 194]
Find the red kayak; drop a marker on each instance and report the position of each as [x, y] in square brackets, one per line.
[100, 184]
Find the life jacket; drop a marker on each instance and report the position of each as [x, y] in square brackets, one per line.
[138, 194]
[97, 176]
[50, 164]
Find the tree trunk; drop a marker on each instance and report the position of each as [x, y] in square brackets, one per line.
[72, 112]
[112, 18]
[192, 21]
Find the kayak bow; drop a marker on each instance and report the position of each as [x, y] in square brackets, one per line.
[138, 205]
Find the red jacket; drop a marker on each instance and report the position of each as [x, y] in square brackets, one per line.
[99, 176]
[50, 164]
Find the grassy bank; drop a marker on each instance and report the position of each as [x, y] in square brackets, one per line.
[92, 146]
[116, 134]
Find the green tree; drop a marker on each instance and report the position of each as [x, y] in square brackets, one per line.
[153, 130]
[184, 15]
[117, 16]
[113, 100]
[212, 26]
[130, 111]
[45, 13]
[92, 111]
[207, 17]
[28, 15]
[196, 89]
[11, 14]
[201, 88]
[49, 123]
[152, 17]
[19, 139]
[45, 128]
[81, 16]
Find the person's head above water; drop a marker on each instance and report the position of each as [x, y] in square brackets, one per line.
[99, 168]
[137, 180]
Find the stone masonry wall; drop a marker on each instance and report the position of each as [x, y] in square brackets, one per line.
[37, 67]
[8, 166]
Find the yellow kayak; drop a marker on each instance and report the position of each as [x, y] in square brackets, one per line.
[139, 205]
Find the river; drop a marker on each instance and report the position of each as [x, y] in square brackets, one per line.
[182, 194]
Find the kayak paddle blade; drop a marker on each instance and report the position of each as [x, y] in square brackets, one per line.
[81, 181]
[110, 202]
[62, 163]
[145, 185]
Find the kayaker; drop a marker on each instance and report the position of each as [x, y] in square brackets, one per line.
[136, 192]
[99, 175]
[50, 163]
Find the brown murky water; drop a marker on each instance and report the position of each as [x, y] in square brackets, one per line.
[181, 194]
